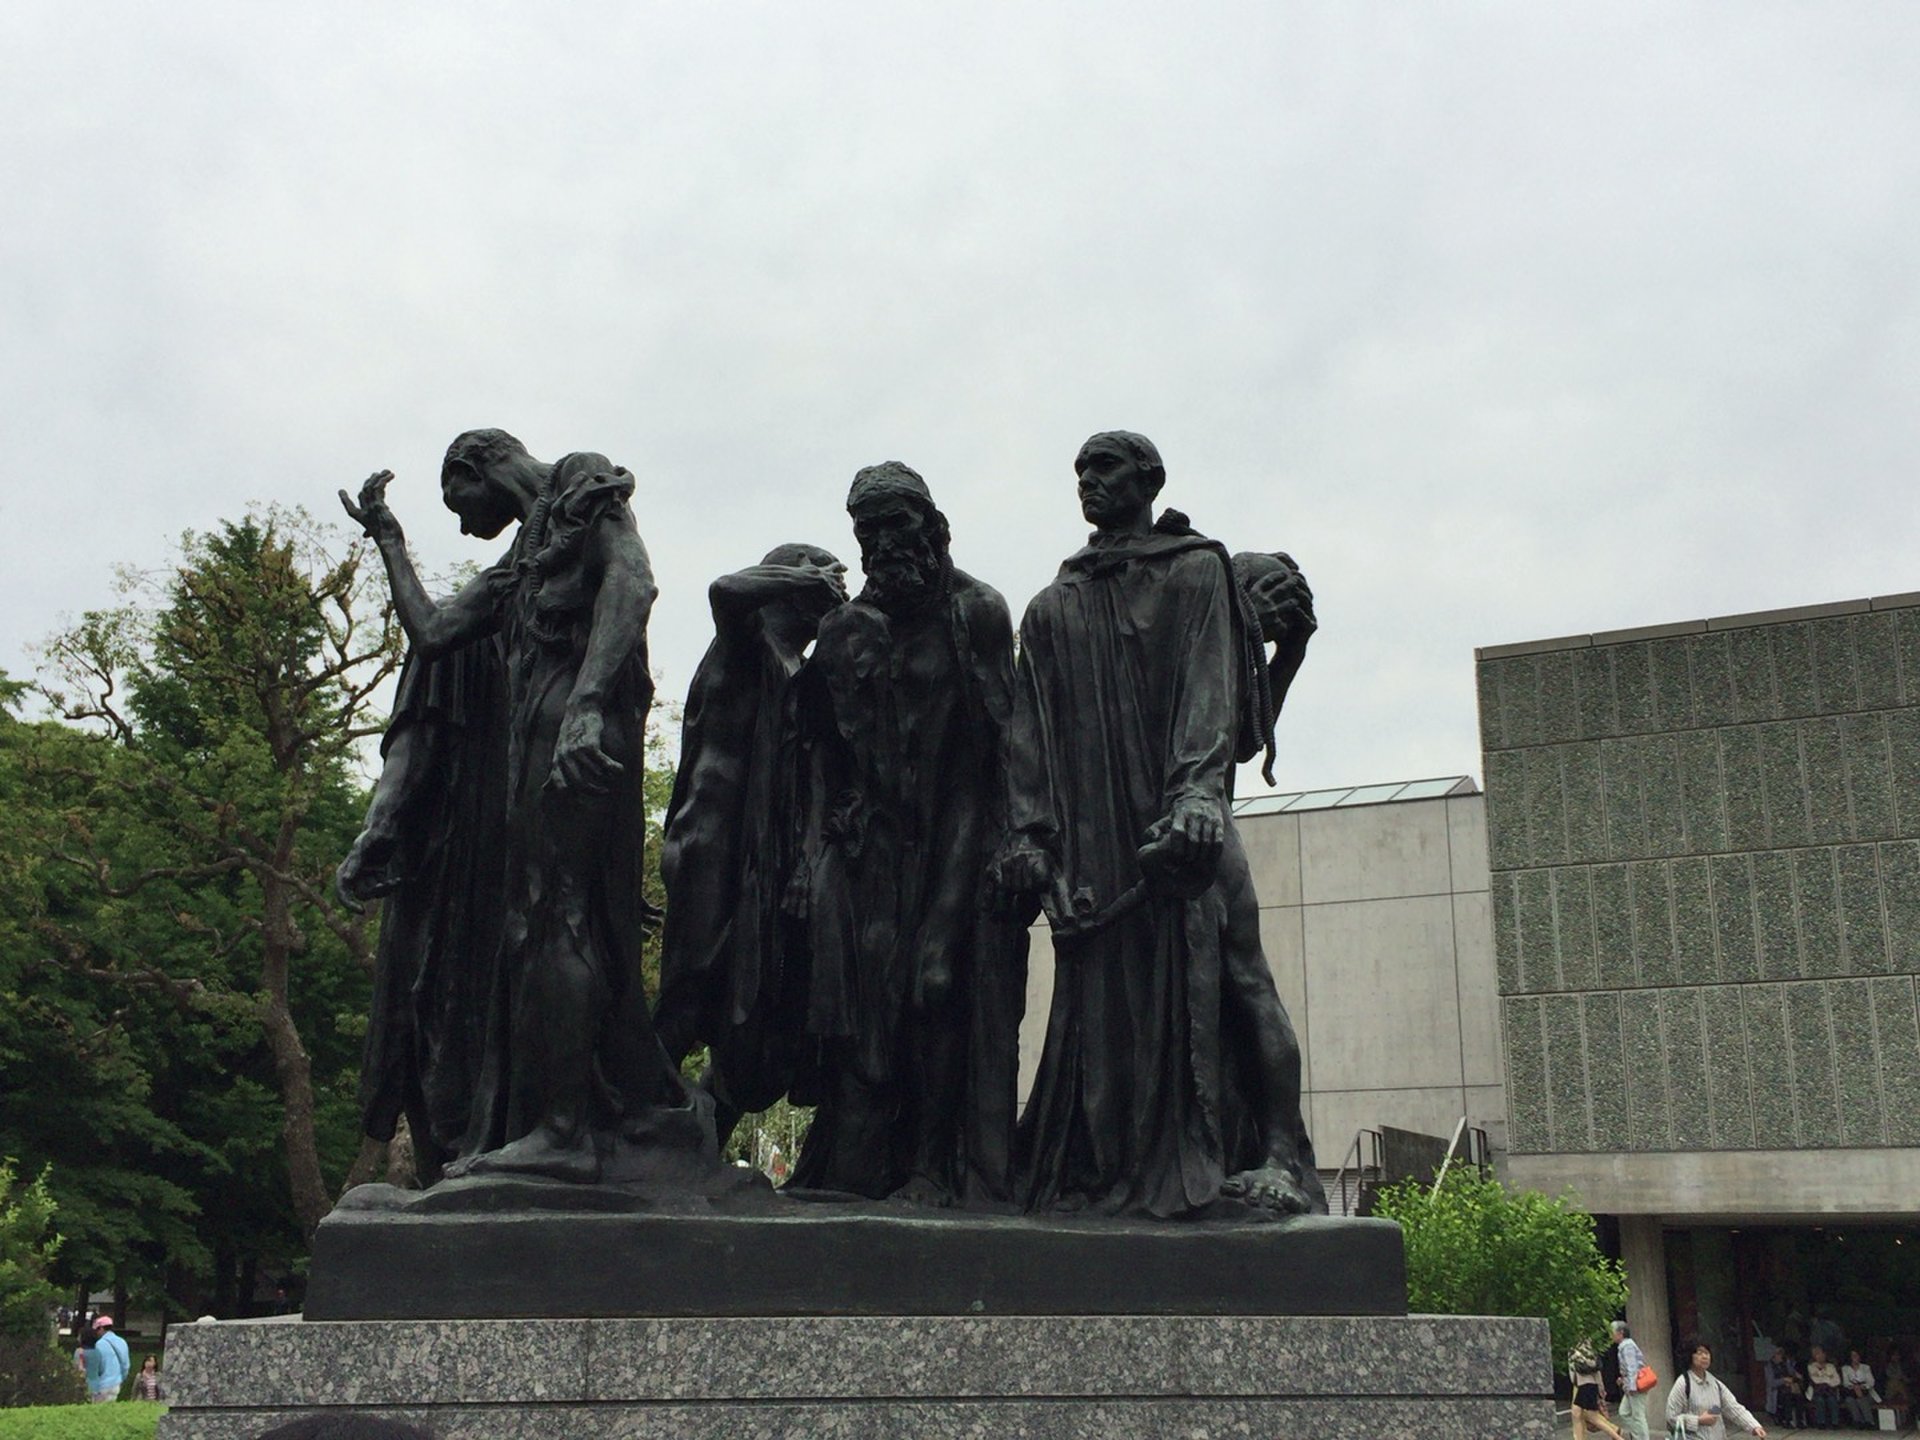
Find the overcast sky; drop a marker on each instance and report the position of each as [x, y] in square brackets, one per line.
[1507, 320]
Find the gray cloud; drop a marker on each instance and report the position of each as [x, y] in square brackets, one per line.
[1508, 320]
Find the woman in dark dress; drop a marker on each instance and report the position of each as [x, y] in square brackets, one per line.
[1583, 1369]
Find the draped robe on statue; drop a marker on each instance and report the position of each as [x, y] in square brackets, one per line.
[437, 843]
[730, 975]
[570, 1042]
[1128, 701]
[912, 716]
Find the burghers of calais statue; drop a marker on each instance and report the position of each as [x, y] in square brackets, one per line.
[546, 719]
[915, 991]
[732, 961]
[826, 854]
[1142, 678]
[1270, 1157]
[433, 847]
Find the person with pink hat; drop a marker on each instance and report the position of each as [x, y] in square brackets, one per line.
[107, 1362]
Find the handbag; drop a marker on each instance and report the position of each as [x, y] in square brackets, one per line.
[1644, 1380]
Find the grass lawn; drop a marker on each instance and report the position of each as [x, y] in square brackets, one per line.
[125, 1420]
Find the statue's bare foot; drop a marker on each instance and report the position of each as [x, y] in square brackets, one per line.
[1271, 1187]
[922, 1191]
[540, 1153]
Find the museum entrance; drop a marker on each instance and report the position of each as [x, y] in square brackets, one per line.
[1748, 1288]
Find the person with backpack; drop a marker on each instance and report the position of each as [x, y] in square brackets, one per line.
[107, 1362]
[1589, 1413]
[1699, 1405]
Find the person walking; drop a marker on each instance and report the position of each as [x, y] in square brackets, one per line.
[1702, 1405]
[1583, 1369]
[107, 1362]
[1633, 1402]
[146, 1385]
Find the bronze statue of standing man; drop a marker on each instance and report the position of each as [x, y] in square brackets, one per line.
[914, 993]
[1132, 702]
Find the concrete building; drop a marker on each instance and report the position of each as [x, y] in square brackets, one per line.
[1374, 918]
[1705, 881]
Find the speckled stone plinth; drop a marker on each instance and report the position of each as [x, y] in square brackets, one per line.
[1009, 1377]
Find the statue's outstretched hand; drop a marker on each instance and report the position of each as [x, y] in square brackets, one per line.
[372, 514]
[1022, 869]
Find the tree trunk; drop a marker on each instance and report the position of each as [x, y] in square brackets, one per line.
[295, 1070]
[291, 1063]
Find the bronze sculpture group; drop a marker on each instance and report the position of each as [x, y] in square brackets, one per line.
[877, 796]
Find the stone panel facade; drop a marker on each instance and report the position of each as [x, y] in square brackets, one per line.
[1705, 852]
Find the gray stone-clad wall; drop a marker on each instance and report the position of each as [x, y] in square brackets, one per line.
[1705, 846]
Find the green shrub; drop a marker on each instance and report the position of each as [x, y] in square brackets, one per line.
[34, 1372]
[127, 1420]
[1478, 1248]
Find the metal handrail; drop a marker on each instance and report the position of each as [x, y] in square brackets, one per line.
[1351, 1161]
[1452, 1145]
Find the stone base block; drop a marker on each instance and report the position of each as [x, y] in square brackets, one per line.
[842, 1260]
[1010, 1377]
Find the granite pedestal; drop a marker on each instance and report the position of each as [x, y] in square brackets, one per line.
[1010, 1377]
[749, 1313]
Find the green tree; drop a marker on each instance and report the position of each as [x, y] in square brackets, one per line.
[1475, 1247]
[75, 1078]
[191, 858]
[32, 1372]
[28, 1244]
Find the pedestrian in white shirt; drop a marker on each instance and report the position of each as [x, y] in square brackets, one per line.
[1633, 1403]
[1700, 1402]
[1823, 1390]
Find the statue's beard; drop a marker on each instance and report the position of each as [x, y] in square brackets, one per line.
[903, 575]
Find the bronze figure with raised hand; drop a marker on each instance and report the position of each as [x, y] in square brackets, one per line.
[572, 1082]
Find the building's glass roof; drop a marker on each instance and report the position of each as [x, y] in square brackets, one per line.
[1295, 801]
